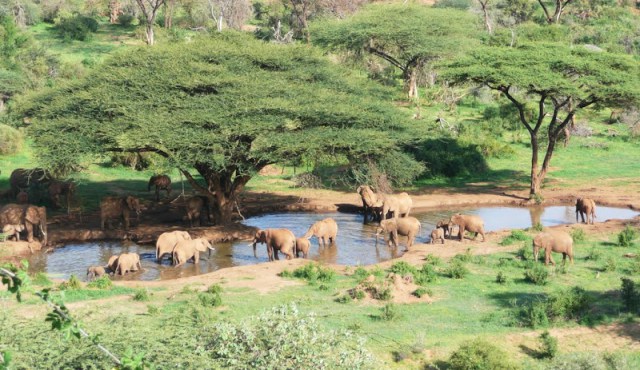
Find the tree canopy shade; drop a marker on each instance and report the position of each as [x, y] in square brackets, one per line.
[405, 35]
[225, 105]
[549, 84]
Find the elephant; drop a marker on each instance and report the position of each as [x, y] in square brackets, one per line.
[13, 231]
[556, 241]
[446, 227]
[398, 204]
[167, 241]
[95, 272]
[406, 226]
[586, 206]
[437, 233]
[28, 216]
[195, 205]
[161, 182]
[370, 203]
[325, 230]
[471, 223]
[58, 188]
[302, 245]
[112, 263]
[25, 178]
[116, 207]
[188, 249]
[128, 262]
[276, 240]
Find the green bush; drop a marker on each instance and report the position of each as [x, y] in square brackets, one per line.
[313, 272]
[548, 345]
[480, 354]
[630, 295]
[570, 304]
[433, 260]
[538, 226]
[41, 279]
[77, 27]
[525, 253]
[535, 314]
[454, 4]
[449, 157]
[634, 267]
[126, 20]
[152, 310]
[141, 295]
[501, 278]
[389, 312]
[11, 140]
[214, 289]
[427, 274]
[627, 236]
[465, 257]
[422, 291]
[456, 270]
[578, 235]
[516, 235]
[72, 284]
[402, 268]
[537, 274]
[360, 274]
[210, 299]
[345, 298]
[610, 264]
[593, 361]
[103, 282]
[595, 254]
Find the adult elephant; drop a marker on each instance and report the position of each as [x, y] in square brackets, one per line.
[161, 182]
[276, 240]
[128, 262]
[58, 188]
[371, 205]
[25, 178]
[188, 249]
[391, 228]
[195, 205]
[112, 264]
[586, 206]
[471, 223]
[118, 207]
[398, 204]
[325, 230]
[556, 241]
[32, 218]
[167, 242]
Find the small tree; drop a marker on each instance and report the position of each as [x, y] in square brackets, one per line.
[149, 9]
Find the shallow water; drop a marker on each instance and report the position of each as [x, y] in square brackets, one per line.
[356, 243]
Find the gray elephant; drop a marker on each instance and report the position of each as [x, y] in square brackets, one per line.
[112, 264]
[128, 262]
[30, 217]
[13, 231]
[446, 227]
[188, 249]
[325, 230]
[371, 205]
[277, 240]
[302, 246]
[161, 182]
[398, 204]
[195, 206]
[556, 241]
[471, 223]
[58, 188]
[167, 242]
[405, 226]
[586, 206]
[119, 207]
[94, 272]
[437, 234]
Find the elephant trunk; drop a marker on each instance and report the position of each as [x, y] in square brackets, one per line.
[254, 249]
[43, 227]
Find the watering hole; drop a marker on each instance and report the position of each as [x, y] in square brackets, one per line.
[356, 243]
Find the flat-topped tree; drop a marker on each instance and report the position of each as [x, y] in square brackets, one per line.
[224, 106]
[549, 84]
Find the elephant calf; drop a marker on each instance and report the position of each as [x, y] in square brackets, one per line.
[586, 206]
[302, 245]
[277, 240]
[556, 241]
[13, 231]
[406, 226]
[95, 272]
[436, 234]
[161, 182]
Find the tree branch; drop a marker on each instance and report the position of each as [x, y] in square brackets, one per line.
[520, 106]
[386, 57]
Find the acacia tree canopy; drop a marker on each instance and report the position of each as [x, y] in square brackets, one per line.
[225, 106]
[549, 84]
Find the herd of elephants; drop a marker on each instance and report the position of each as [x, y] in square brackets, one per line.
[390, 211]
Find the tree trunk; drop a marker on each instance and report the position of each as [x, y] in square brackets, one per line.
[411, 82]
[149, 33]
[168, 15]
[114, 11]
[535, 180]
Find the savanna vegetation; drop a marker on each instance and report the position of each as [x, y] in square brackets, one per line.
[523, 95]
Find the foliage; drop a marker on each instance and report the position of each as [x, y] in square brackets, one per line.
[569, 304]
[426, 274]
[389, 312]
[480, 354]
[537, 274]
[103, 282]
[126, 20]
[402, 268]
[501, 278]
[421, 292]
[538, 226]
[456, 269]
[516, 235]
[449, 157]
[77, 27]
[467, 256]
[11, 140]
[548, 345]
[141, 295]
[41, 279]
[313, 272]
[578, 235]
[433, 260]
[610, 265]
[592, 360]
[630, 295]
[400, 169]
[72, 284]
[267, 341]
[360, 273]
[627, 236]
[455, 4]
[212, 296]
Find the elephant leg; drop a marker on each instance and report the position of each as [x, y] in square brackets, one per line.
[461, 233]
[29, 226]
[482, 233]
[276, 254]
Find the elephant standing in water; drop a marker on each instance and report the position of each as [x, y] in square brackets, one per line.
[556, 241]
[325, 230]
[398, 204]
[371, 205]
[168, 241]
[302, 245]
[406, 226]
[471, 223]
[127, 262]
[188, 249]
[586, 206]
[276, 240]
[161, 182]
[116, 207]
[29, 217]
[95, 272]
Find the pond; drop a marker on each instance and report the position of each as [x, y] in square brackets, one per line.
[356, 243]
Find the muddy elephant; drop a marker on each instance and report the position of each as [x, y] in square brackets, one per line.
[195, 206]
[405, 226]
[59, 188]
[26, 178]
[127, 262]
[586, 206]
[167, 241]
[112, 263]
[188, 249]
[13, 231]
[446, 227]
[556, 241]
[437, 234]
[276, 240]
[398, 204]
[471, 223]
[161, 182]
[32, 218]
[371, 205]
[325, 230]
[117, 207]
[302, 246]
[95, 272]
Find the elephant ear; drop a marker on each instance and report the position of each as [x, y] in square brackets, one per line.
[32, 215]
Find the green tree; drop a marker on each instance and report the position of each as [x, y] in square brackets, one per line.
[406, 36]
[226, 106]
[548, 84]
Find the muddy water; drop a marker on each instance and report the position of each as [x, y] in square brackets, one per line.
[356, 242]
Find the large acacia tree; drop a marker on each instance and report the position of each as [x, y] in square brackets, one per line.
[549, 84]
[224, 106]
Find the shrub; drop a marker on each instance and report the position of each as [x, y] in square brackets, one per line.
[345, 298]
[537, 274]
[525, 253]
[41, 279]
[501, 278]
[578, 235]
[152, 310]
[382, 293]
[421, 291]
[433, 260]
[535, 314]
[11, 140]
[141, 295]
[214, 289]
[480, 354]
[77, 27]
[313, 272]
[265, 342]
[538, 226]
[425, 275]
[467, 256]
[516, 235]
[627, 236]
[286, 274]
[402, 268]
[389, 312]
[210, 299]
[594, 254]
[455, 4]
[570, 304]
[548, 345]
[126, 20]
[103, 282]
[360, 274]
[634, 267]
[610, 265]
[456, 270]
[630, 295]
[72, 284]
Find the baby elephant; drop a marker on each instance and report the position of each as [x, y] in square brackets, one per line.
[556, 241]
[302, 245]
[446, 227]
[13, 230]
[436, 234]
[94, 272]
